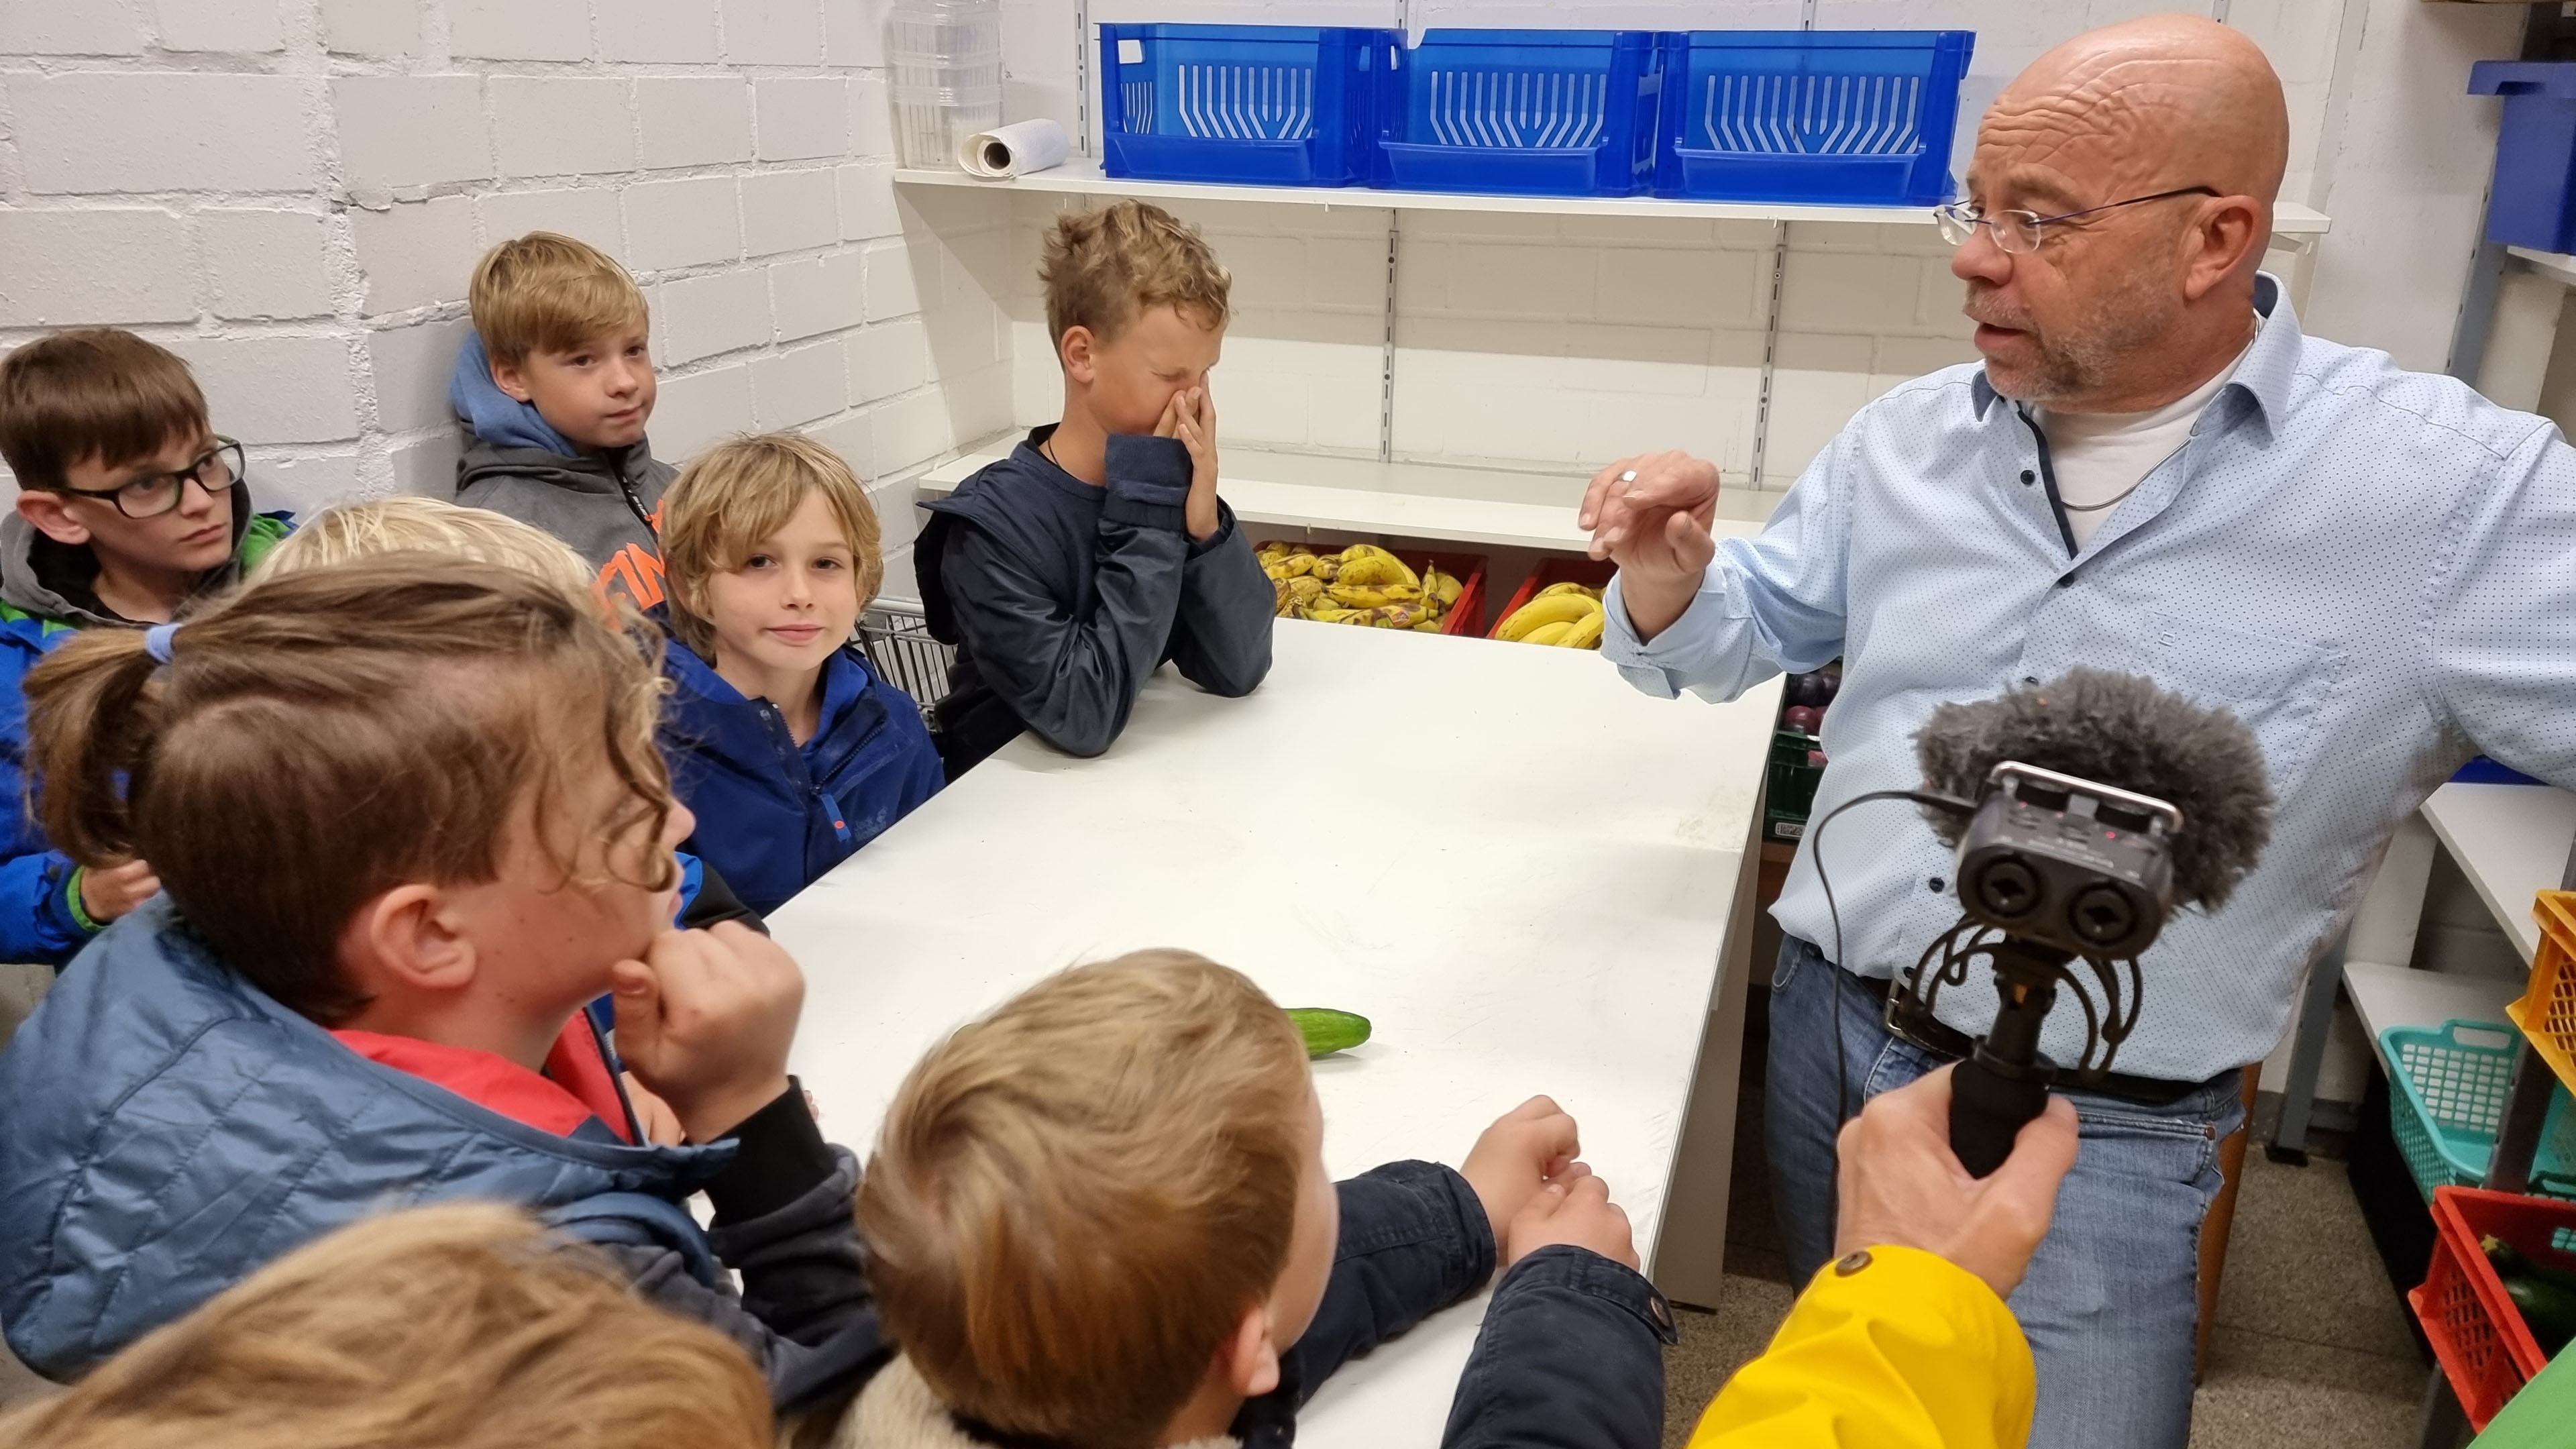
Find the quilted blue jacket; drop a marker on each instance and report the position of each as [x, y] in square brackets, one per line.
[166, 1128]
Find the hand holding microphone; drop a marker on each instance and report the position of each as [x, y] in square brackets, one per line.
[2084, 812]
[1899, 1183]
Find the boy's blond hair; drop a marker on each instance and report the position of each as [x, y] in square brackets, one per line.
[92, 393]
[1073, 1201]
[1104, 268]
[741, 491]
[456, 1327]
[546, 292]
[402, 524]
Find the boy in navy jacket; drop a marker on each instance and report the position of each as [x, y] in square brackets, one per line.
[788, 747]
[1100, 1216]
[1069, 571]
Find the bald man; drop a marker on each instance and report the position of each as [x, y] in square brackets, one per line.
[2155, 471]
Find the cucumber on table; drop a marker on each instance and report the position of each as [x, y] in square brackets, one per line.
[1328, 1031]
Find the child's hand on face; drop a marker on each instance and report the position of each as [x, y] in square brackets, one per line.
[1525, 1149]
[1575, 1209]
[705, 1020]
[109, 893]
[1191, 417]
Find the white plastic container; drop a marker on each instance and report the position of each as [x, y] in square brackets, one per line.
[946, 59]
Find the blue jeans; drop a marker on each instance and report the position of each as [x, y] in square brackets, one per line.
[2111, 1301]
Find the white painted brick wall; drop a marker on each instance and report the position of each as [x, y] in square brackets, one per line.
[266, 264]
[693, 120]
[66, 268]
[292, 194]
[798, 386]
[669, 31]
[789, 211]
[87, 132]
[411, 130]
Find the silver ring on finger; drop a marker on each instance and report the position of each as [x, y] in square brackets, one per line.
[1629, 476]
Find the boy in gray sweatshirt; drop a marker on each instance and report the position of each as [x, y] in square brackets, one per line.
[557, 384]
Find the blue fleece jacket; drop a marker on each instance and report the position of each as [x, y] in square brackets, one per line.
[773, 815]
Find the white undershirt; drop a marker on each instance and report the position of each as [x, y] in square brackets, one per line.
[2099, 458]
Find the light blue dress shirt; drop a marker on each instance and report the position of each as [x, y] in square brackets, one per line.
[2374, 568]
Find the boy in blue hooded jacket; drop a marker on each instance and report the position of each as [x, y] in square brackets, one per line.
[788, 747]
[130, 508]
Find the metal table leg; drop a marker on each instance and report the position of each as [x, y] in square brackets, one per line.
[2526, 1108]
[2307, 1057]
[2441, 1423]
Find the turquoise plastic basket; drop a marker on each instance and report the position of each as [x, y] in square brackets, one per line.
[2447, 1096]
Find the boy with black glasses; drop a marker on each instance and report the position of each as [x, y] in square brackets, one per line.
[129, 507]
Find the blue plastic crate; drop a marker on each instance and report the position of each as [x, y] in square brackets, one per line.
[1849, 117]
[2446, 1098]
[2532, 202]
[1275, 105]
[1522, 113]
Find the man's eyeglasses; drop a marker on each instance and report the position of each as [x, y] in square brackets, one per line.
[154, 494]
[2020, 231]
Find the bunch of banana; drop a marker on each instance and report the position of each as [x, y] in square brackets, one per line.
[1362, 585]
[1566, 615]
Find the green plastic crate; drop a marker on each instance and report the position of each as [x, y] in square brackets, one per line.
[2448, 1093]
[1792, 788]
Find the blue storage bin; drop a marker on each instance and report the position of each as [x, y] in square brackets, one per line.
[1849, 117]
[2533, 200]
[1521, 113]
[1276, 105]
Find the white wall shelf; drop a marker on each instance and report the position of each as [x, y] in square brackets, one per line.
[1081, 177]
[2386, 996]
[1490, 507]
[2558, 267]
[2511, 841]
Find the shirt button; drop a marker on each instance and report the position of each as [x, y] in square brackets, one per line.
[2029, 477]
[2030, 679]
[2066, 582]
[1852, 1263]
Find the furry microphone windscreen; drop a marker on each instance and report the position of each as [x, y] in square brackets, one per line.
[2120, 730]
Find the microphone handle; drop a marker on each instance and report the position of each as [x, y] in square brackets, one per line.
[1987, 1110]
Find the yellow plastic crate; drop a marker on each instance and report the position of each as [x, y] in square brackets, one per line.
[2547, 1011]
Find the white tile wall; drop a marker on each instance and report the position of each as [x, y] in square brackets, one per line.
[292, 193]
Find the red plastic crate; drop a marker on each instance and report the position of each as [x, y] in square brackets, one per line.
[1587, 572]
[1465, 616]
[2477, 1333]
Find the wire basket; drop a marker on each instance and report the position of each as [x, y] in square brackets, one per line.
[2446, 1099]
[1857, 117]
[2485, 1347]
[899, 644]
[1522, 113]
[1279, 105]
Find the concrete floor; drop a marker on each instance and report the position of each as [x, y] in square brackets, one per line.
[2312, 1348]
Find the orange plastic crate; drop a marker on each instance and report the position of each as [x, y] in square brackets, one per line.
[2477, 1333]
[2547, 1011]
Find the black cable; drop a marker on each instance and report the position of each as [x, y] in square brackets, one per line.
[1833, 915]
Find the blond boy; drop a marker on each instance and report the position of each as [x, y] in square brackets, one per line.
[1099, 1219]
[790, 748]
[1069, 571]
[556, 385]
[348, 532]
[456, 1327]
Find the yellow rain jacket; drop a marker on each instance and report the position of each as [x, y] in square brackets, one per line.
[1892, 1348]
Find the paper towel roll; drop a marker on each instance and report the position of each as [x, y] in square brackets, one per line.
[1015, 150]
